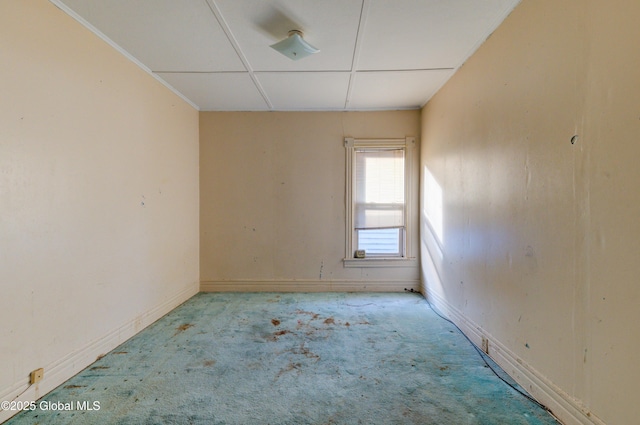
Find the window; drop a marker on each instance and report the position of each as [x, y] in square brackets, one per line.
[377, 199]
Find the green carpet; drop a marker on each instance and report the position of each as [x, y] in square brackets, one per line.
[269, 358]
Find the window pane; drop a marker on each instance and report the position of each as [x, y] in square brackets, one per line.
[379, 191]
[379, 241]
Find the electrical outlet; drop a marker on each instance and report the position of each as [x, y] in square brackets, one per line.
[36, 376]
[485, 345]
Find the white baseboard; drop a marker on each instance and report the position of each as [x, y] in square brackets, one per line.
[308, 285]
[565, 408]
[63, 369]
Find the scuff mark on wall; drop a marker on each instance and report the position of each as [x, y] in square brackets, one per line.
[531, 260]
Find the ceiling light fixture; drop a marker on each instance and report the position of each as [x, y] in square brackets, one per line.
[294, 47]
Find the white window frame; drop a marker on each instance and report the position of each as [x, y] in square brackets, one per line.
[351, 144]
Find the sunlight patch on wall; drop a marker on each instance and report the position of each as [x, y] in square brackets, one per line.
[433, 205]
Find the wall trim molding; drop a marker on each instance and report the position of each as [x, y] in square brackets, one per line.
[66, 9]
[567, 409]
[307, 285]
[66, 367]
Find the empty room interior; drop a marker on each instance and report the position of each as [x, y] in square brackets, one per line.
[157, 153]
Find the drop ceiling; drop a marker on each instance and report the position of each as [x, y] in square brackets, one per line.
[375, 54]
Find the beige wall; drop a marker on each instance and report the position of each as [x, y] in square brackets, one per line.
[98, 197]
[540, 240]
[273, 200]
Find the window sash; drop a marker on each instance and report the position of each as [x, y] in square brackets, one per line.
[381, 242]
[378, 208]
[379, 198]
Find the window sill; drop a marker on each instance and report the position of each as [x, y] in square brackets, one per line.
[379, 262]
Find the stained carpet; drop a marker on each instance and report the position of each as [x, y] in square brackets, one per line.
[265, 358]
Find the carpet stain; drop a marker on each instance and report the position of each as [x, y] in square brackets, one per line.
[71, 387]
[275, 322]
[120, 352]
[274, 336]
[291, 366]
[310, 313]
[182, 328]
[209, 363]
[304, 351]
[329, 321]
[99, 367]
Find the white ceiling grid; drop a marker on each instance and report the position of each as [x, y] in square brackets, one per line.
[375, 54]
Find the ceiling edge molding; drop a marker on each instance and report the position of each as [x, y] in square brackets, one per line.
[380, 109]
[490, 30]
[119, 49]
[494, 26]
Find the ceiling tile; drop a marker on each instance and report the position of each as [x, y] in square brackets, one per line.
[425, 34]
[383, 54]
[218, 91]
[395, 89]
[165, 35]
[329, 25]
[305, 90]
